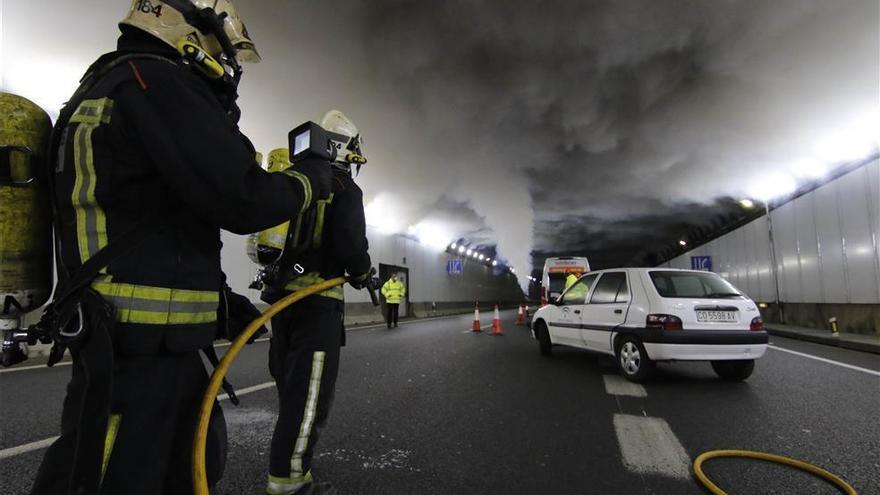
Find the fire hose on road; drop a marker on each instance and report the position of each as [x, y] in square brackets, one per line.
[832, 478]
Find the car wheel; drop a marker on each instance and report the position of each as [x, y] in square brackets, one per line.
[633, 360]
[735, 371]
[544, 344]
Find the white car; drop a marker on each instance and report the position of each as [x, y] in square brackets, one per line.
[644, 315]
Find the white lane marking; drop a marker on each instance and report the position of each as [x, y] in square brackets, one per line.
[36, 366]
[227, 344]
[248, 390]
[823, 360]
[618, 385]
[648, 446]
[28, 447]
[42, 444]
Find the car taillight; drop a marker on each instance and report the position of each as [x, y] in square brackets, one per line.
[663, 322]
[757, 324]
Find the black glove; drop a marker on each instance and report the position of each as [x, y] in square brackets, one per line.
[320, 175]
[235, 314]
[360, 281]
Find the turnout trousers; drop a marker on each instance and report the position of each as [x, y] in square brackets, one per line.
[304, 361]
[148, 441]
[391, 317]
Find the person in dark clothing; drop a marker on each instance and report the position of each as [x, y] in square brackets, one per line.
[306, 338]
[150, 141]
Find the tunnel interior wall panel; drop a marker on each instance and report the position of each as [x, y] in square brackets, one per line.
[859, 249]
[785, 237]
[826, 245]
[830, 245]
[808, 250]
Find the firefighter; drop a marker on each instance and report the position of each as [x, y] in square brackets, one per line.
[394, 292]
[306, 338]
[149, 157]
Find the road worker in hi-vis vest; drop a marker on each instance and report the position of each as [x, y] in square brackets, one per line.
[327, 242]
[147, 166]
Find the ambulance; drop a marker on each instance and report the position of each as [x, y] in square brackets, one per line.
[556, 270]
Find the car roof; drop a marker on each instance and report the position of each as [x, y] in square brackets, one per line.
[647, 269]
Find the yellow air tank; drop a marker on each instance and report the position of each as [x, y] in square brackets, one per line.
[25, 220]
[265, 247]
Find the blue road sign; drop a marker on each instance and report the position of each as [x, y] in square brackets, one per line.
[454, 267]
[703, 263]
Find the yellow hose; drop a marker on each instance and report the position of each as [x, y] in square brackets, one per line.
[199, 475]
[763, 456]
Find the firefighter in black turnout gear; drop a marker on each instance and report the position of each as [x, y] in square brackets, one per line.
[150, 167]
[306, 338]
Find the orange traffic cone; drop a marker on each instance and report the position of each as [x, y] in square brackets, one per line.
[476, 327]
[496, 323]
[520, 316]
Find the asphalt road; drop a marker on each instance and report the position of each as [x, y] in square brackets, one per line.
[430, 408]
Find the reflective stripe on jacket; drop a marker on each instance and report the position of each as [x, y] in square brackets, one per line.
[394, 291]
[313, 278]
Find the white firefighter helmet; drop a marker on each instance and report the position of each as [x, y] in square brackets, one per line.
[163, 20]
[346, 137]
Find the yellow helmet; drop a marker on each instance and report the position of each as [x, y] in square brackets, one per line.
[196, 21]
[345, 136]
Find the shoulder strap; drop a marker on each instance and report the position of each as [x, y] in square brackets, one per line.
[73, 282]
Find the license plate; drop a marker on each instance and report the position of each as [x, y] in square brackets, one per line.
[711, 316]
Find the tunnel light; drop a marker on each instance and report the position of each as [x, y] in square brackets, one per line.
[851, 140]
[747, 203]
[453, 246]
[431, 234]
[470, 252]
[476, 255]
[460, 249]
[773, 186]
[494, 263]
[482, 257]
[380, 213]
[682, 243]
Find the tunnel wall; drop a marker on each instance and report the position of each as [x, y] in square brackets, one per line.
[432, 291]
[826, 244]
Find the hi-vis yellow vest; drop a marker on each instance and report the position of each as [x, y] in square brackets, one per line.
[393, 291]
[266, 246]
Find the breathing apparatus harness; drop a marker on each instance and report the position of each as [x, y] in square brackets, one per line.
[307, 141]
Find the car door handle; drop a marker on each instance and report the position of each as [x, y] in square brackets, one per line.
[577, 311]
[618, 311]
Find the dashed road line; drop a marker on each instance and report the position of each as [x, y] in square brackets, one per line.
[648, 446]
[42, 444]
[618, 385]
[827, 361]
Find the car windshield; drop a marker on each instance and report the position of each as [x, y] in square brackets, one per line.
[701, 285]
